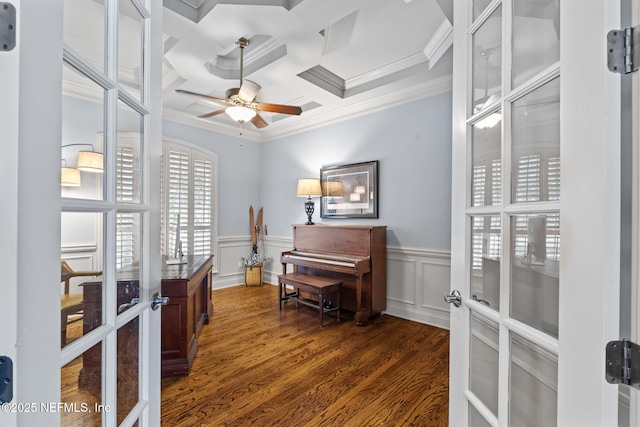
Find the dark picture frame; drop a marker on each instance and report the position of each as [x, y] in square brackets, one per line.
[349, 190]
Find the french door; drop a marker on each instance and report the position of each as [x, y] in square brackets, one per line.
[536, 214]
[82, 74]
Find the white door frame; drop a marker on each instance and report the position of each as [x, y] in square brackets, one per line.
[9, 93]
[30, 215]
[634, 395]
[30, 260]
[590, 216]
[590, 206]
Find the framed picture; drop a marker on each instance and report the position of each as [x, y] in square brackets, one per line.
[349, 190]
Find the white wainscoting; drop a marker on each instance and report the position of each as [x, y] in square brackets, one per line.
[81, 257]
[417, 278]
[230, 250]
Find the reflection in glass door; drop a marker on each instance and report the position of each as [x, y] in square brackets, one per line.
[512, 210]
[105, 220]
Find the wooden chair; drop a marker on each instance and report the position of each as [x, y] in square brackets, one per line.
[70, 304]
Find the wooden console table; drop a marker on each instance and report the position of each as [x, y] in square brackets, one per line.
[188, 287]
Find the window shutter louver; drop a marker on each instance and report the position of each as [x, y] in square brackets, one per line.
[188, 190]
[124, 193]
[202, 212]
[479, 185]
[528, 179]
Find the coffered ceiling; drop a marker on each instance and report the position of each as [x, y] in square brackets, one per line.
[336, 59]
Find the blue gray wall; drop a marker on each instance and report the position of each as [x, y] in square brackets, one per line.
[412, 143]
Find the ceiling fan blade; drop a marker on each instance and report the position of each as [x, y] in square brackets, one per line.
[259, 122]
[211, 114]
[277, 108]
[210, 98]
[248, 90]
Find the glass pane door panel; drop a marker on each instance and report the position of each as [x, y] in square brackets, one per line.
[535, 162]
[82, 162]
[475, 419]
[483, 372]
[83, 29]
[535, 270]
[487, 62]
[533, 383]
[485, 260]
[81, 390]
[130, 32]
[479, 6]
[128, 378]
[486, 186]
[536, 37]
[128, 152]
[128, 241]
[81, 274]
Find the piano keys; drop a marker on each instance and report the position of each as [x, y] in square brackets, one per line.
[355, 254]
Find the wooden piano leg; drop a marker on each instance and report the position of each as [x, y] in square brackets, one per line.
[362, 315]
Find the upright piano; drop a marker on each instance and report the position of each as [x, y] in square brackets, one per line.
[355, 254]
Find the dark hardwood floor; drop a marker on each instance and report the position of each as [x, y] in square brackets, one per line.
[257, 366]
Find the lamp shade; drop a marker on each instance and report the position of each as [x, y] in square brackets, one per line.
[332, 189]
[309, 187]
[90, 161]
[240, 114]
[70, 177]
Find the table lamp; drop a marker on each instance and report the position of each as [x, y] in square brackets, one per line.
[309, 187]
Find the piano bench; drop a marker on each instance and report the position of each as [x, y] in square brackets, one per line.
[320, 287]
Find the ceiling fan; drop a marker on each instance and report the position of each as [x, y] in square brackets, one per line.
[240, 103]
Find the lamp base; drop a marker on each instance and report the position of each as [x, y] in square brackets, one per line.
[309, 208]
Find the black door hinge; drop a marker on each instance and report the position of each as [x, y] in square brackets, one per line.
[6, 380]
[623, 363]
[7, 26]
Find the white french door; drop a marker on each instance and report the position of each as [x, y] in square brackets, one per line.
[535, 215]
[61, 93]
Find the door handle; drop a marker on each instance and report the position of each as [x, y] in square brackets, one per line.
[128, 305]
[454, 298]
[157, 301]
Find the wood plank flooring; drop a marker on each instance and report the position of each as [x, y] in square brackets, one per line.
[257, 366]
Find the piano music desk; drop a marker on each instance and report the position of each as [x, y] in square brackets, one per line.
[321, 287]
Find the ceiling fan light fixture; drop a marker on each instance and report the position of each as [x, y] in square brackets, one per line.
[240, 113]
[490, 121]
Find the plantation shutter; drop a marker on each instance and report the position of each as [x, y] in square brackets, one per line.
[202, 206]
[124, 193]
[188, 188]
[178, 203]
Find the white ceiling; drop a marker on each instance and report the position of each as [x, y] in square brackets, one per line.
[336, 59]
